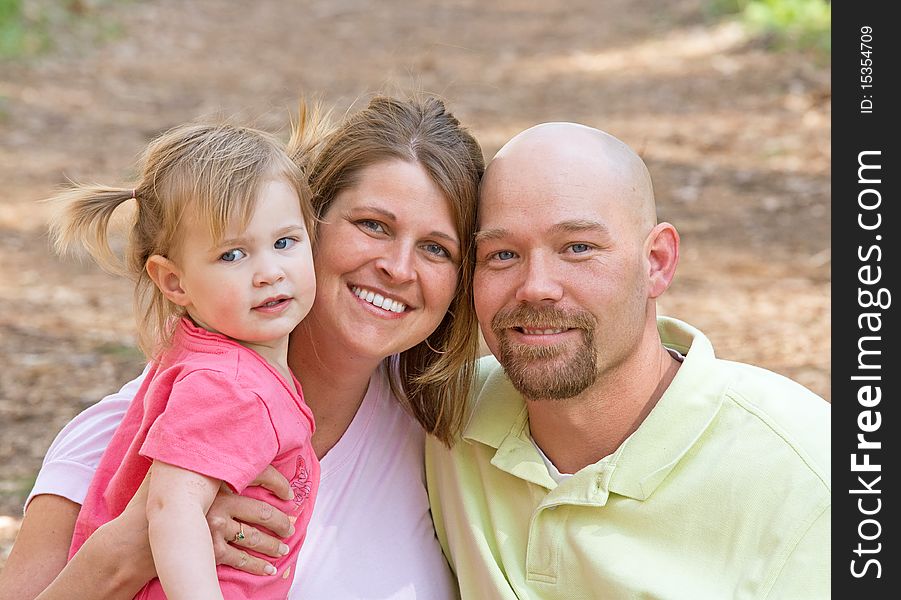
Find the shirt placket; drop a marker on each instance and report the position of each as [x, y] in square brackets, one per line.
[547, 528]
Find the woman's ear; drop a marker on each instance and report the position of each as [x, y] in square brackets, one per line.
[167, 277]
[662, 250]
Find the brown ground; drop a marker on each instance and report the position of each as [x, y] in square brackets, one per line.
[737, 139]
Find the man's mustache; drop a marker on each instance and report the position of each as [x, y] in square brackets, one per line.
[546, 317]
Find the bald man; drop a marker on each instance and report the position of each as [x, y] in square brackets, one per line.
[608, 453]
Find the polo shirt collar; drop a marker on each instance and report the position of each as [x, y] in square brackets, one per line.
[499, 419]
[681, 416]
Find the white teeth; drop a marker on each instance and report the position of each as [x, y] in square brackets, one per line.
[542, 331]
[379, 300]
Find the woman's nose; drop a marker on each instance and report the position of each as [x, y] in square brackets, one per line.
[398, 262]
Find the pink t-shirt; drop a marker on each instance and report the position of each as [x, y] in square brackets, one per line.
[219, 409]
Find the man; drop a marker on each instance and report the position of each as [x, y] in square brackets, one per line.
[610, 454]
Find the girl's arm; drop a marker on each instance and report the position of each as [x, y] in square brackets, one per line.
[180, 539]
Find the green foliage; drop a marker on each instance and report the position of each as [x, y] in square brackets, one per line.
[29, 27]
[786, 23]
[12, 31]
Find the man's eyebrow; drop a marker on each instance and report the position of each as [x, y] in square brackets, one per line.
[578, 225]
[485, 235]
[571, 226]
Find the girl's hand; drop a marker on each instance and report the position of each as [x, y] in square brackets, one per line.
[229, 511]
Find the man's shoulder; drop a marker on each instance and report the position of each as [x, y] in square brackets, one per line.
[789, 413]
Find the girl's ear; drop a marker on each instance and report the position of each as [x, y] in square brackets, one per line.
[167, 277]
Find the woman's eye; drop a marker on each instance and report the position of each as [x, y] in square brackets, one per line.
[232, 255]
[437, 250]
[373, 226]
[284, 243]
[579, 248]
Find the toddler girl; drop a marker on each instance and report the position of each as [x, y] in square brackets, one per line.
[220, 253]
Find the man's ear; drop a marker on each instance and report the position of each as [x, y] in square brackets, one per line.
[662, 250]
[167, 277]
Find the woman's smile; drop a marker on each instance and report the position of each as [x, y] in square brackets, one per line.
[379, 299]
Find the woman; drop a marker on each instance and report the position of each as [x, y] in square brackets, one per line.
[392, 333]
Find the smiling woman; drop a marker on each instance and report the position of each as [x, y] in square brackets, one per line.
[406, 176]
[380, 237]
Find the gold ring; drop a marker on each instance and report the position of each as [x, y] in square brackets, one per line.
[240, 535]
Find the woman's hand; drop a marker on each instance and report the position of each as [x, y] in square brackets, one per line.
[231, 514]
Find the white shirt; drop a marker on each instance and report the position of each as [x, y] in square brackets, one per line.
[371, 535]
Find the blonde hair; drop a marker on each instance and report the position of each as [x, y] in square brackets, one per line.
[434, 377]
[216, 170]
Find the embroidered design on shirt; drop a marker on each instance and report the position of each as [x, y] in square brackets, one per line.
[301, 483]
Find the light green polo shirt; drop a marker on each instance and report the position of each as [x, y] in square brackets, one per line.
[723, 492]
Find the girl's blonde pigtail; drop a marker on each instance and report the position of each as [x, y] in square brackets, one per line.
[83, 221]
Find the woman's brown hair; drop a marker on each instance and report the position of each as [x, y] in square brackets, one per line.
[434, 377]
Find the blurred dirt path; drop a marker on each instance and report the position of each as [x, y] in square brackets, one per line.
[737, 140]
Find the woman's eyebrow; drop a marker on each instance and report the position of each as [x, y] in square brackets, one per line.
[376, 209]
[441, 235]
[392, 217]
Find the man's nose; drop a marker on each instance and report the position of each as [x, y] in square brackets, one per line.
[540, 282]
[397, 262]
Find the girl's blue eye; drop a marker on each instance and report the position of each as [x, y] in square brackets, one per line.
[284, 243]
[232, 255]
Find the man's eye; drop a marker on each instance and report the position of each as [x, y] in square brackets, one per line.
[284, 243]
[503, 255]
[232, 255]
[580, 248]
